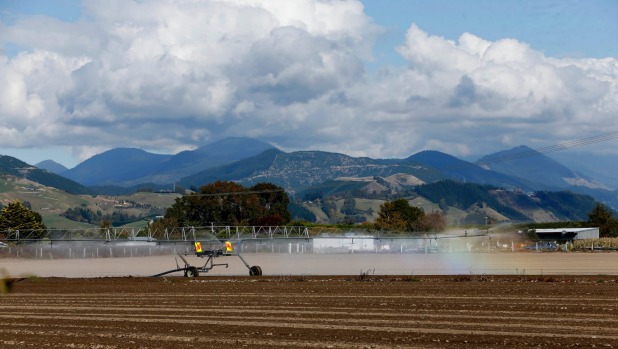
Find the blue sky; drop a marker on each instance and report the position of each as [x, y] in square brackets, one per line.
[560, 28]
[91, 76]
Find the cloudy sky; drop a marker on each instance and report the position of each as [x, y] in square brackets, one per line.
[366, 78]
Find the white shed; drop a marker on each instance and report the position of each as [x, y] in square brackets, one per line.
[567, 234]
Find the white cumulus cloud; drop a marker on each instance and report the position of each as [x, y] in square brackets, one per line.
[166, 75]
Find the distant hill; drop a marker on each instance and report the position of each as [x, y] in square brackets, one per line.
[463, 203]
[53, 204]
[534, 167]
[51, 166]
[298, 170]
[128, 167]
[209, 156]
[459, 170]
[515, 205]
[514, 177]
[363, 187]
[321, 182]
[306, 172]
[248, 161]
[601, 167]
[10, 166]
[116, 167]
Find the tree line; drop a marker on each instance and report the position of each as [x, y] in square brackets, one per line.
[229, 203]
[88, 215]
[399, 216]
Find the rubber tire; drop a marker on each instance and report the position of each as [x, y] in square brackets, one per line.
[259, 270]
[255, 271]
[192, 272]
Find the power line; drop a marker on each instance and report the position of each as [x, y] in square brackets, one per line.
[237, 193]
[550, 149]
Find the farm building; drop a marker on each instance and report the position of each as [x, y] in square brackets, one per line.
[567, 234]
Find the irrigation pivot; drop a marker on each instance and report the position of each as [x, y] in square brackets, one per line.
[210, 255]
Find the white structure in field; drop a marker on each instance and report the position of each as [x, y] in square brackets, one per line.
[567, 234]
[343, 244]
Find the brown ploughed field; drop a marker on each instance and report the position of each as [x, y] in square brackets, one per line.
[311, 312]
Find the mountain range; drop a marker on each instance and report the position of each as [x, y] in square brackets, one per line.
[248, 161]
[127, 167]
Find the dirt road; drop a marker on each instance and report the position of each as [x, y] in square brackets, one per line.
[312, 312]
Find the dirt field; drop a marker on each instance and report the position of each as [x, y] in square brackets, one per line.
[311, 312]
[280, 264]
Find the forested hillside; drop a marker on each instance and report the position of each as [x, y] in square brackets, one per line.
[10, 166]
[462, 203]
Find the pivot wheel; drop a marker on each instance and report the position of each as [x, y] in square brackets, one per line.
[255, 271]
[192, 272]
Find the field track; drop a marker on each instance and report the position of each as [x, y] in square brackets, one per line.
[312, 312]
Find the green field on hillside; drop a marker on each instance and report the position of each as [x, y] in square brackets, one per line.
[51, 203]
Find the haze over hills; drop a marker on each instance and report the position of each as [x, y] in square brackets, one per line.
[308, 171]
[129, 167]
[534, 167]
[305, 169]
[460, 170]
[602, 168]
[51, 166]
[249, 161]
[244, 159]
[116, 167]
[513, 190]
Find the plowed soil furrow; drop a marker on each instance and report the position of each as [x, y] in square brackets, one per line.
[414, 314]
[375, 317]
[169, 341]
[425, 327]
[535, 323]
[343, 298]
[431, 312]
[592, 304]
[367, 323]
[189, 310]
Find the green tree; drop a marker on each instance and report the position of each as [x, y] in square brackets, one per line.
[599, 215]
[17, 217]
[349, 205]
[229, 203]
[610, 228]
[398, 215]
[602, 217]
[301, 213]
[330, 208]
[275, 202]
[431, 222]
